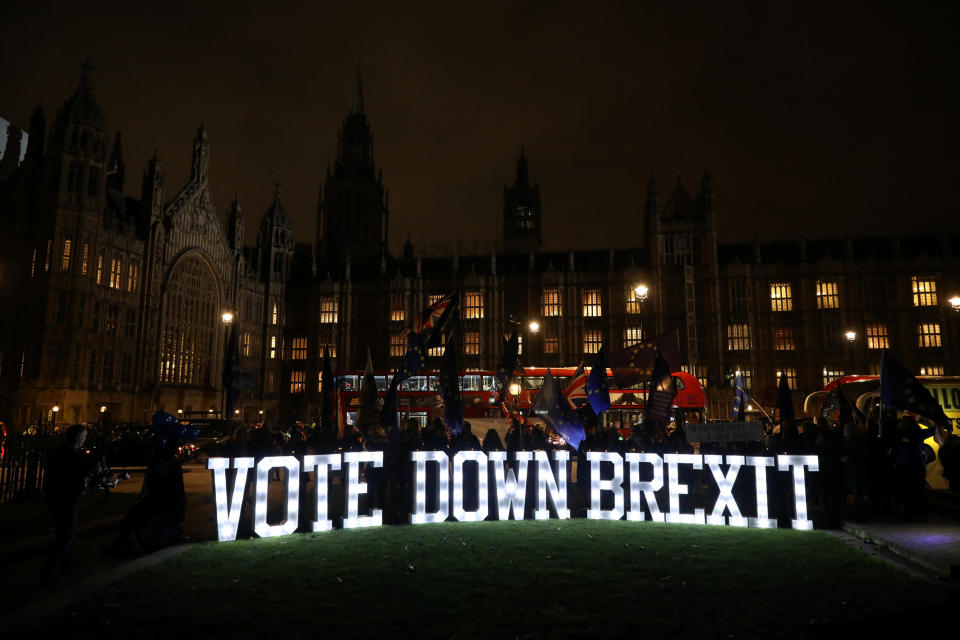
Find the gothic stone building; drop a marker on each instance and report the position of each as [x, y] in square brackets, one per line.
[113, 301]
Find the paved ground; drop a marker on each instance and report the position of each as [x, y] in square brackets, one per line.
[932, 547]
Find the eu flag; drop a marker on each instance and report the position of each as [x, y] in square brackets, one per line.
[741, 397]
[901, 390]
[415, 359]
[554, 409]
[598, 393]
[449, 380]
[634, 364]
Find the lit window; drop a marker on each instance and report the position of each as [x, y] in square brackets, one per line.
[551, 341]
[133, 276]
[331, 348]
[634, 302]
[698, 371]
[273, 347]
[116, 268]
[433, 298]
[471, 343]
[100, 269]
[592, 306]
[791, 378]
[245, 344]
[438, 350]
[298, 381]
[33, 264]
[472, 304]
[592, 340]
[550, 303]
[632, 336]
[519, 345]
[829, 375]
[46, 260]
[83, 259]
[738, 337]
[932, 370]
[329, 310]
[783, 339]
[828, 296]
[275, 315]
[299, 349]
[877, 337]
[65, 258]
[928, 334]
[397, 344]
[781, 298]
[924, 291]
[397, 308]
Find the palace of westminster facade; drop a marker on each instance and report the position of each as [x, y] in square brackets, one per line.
[115, 302]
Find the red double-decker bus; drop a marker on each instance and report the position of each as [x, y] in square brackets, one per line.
[420, 398]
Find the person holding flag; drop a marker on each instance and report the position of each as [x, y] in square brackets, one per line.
[741, 397]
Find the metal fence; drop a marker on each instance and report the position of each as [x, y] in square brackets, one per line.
[24, 462]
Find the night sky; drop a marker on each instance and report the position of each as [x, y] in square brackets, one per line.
[813, 120]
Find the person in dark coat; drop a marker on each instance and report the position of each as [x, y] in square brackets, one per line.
[64, 484]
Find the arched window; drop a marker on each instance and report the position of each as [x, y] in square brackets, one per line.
[191, 321]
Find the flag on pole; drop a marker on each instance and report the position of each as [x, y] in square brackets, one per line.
[388, 415]
[369, 411]
[597, 389]
[553, 409]
[508, 364]
[741, 397]
[901, 390]
[327, 388]
[449, 381]
[660, 393]
[415, 359]
[784, 399]
[432, 320]
[576, 393]
[634, 364]
[229, 372]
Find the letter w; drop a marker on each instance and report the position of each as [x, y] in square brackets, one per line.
[511, 490]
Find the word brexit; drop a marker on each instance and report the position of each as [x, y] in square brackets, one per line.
[610, 473]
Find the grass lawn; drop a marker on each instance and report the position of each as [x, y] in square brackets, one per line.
[507, 579]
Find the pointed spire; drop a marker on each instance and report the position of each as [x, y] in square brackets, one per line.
[357, 91]
[115, 169]
[86, 68]
[201, 155]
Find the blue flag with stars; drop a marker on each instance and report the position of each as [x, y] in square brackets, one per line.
[554, 410]
[415, 359]
[901, 390]
[598, 392]
[741, 397]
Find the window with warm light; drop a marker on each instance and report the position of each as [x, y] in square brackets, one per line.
[877, 337]
[397, 345]
[781, 296]
[928, 334]
[275, 314]
[592, 340]
[100, 268]
[738, 337]
[551, 340]
[472, 304]
[397, 308]
[84, 257]
[298, 381]
[273, 347]
[245, 340]
[632, 336]
[634, 302]
[829, 375]
[433, 297]
[471, 343]
[783, 339]
[299, 349]
[550, 303]
[329, 310]
[438, 350]
[924, 291]
[115, 269]
[828, 295]
[65, 257]
[592, 303]
[932, 370]
[698, 371]
[133, 277]
[791, 374]
[46, 260]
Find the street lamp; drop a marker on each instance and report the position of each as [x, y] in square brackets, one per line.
[955, 303]
[640, 293]
[851, 336]
[56, 410]
[103, 408]
[534, 326]
[227, 317]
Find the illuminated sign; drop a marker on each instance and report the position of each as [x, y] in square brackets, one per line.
[640, 475]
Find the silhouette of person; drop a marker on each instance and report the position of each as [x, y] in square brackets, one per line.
[64, 484]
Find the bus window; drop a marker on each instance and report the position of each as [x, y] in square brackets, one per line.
[562, 381]
[532, 382]
[381, 382]
[348, 383]
[470, 383]
[678, 383]
[433, 384]
[489, 383]
[414, 383]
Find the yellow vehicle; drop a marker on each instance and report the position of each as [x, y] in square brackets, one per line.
[864, 390]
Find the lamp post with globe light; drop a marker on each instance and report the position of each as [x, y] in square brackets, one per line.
[227, 318]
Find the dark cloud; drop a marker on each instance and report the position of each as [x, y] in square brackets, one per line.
[813, 120]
